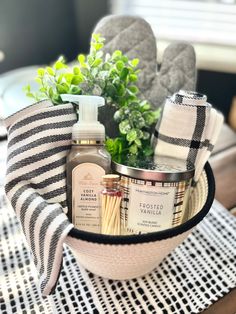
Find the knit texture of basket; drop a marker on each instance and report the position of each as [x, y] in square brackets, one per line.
[131, 260]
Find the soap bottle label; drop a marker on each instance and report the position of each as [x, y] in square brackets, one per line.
[86, 187]
[150, 208]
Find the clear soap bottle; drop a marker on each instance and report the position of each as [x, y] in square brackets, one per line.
[87, 162]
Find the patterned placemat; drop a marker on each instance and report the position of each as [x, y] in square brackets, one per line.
[195, 275]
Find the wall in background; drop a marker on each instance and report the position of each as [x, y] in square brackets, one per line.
[88, 13]
[37, 32]
[219, 87]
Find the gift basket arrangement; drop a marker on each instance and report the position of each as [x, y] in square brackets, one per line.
[121, 202]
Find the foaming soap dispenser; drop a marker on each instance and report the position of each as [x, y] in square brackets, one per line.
[87, 162]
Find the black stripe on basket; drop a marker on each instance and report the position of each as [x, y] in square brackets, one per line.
[153, 236]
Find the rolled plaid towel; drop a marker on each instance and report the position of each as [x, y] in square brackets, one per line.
[187, 129]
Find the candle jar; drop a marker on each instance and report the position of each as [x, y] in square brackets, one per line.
[155, 194]
[110, 204]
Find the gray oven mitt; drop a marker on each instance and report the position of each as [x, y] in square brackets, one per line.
[39, 141]
[134, 37]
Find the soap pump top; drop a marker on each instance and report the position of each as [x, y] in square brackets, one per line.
[88, 128]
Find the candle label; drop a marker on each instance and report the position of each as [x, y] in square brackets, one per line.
[150, 207]
[86, 188]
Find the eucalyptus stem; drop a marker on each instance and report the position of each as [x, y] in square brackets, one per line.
[113, 77]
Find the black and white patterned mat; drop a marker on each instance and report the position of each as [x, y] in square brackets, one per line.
[195, 275]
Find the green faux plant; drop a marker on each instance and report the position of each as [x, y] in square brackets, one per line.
[113, 77]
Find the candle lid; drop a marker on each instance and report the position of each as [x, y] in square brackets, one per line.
[161, 168]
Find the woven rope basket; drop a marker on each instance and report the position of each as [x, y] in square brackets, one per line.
[38, 142]
[126, 257]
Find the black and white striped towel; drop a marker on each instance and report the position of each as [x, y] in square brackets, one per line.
[38, 142]
[188, 129]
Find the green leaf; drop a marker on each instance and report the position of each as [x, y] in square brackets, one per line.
[77, 79]
[139, 133]
[41, 72]
[119, 65]
[75, 90]
[121, 90]
[138, 142]
[118, 116]
[50, 71]
[98, 46]
[148, 151]
[96, 37]
[131, 135]
[30, 95]
[76, 70]
[50, 92]
[149, 118]
[90, 59]
[62, 88]
[43, 90]
[60, 77]
[124, 73]
[137, 119]
[106, 66]
[124, 59]
[116, 54]
[68, 77]
[111, 90]
[135, 62]
[100, 83]
[96, 90]
[156, 113]
[85, 72]
[96, 62]
[124, 127]
[58, 65]
[144, 106]
[99, 54]
[81, 59]
[135, 114]
[134, 89]
[133, 77]
[119, 144]
[103, 75]
[133, 149]
[56, 99]
[38, 80]
[26, 88]
[146, 135]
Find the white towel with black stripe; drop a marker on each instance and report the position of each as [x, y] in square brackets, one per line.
[38, 142]
[187, 129]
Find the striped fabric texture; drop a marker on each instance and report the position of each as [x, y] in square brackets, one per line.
[188, 129]
[38, 143]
